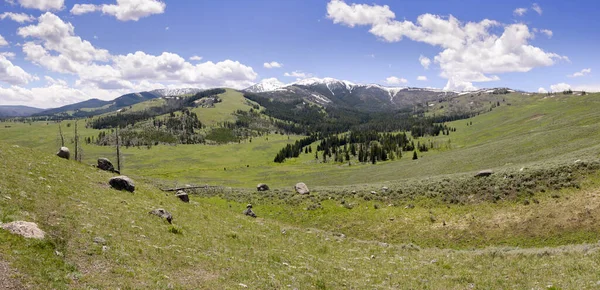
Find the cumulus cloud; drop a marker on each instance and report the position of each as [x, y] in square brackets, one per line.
[79, 9]
[195, 58]
[581, 73]
[395, 80]
[297, 74]
[124, 10]
[560, 87]
[12, 74]
[53, 44]
[537, 8]
[8, 54]
[548, 32]
[272, 64]
[3, 41]
[425, 62]
[44, 5]
[520, 11]
[17, 17]
[542, 90]
[422, 78]
[471, 52]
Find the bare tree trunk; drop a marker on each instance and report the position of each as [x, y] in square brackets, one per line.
[118, 149]
[78, 151]
[62, 138]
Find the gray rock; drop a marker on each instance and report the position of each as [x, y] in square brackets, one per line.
[248, 211]
[105, 164]
[100, 240]
[159, 212]
[64, 152]
[301, 188]
[122, 182]
[183, 196]
[25, 229]
[484, 173]
[385, 188]
[262, 187]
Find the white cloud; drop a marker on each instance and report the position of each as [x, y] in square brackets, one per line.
[53, 44]
[17, 17]
[581, 73]
[79, 9]
[542, 90]
[520, 11]
[471, 52]
[587, 88]
[195, 58]
[297, 74]
[425, 62]
[8, 54]
[126, 10]
[395, 80]
[537, 8]
[272, 64]
[3, 41]
[44, 5]
[548, 33]
[12, 74]
[422, 78]
[560, 87]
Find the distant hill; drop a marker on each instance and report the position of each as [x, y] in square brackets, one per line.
[18, 111]
[95, 107]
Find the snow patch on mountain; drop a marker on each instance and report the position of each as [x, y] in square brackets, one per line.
[266, 85]
[321, 98]
[175, 92]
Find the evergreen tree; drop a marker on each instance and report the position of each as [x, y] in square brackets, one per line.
[415, 157]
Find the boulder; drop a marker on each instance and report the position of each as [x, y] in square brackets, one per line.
[301, 188]
[25, 229]
[182, 195]
[248, 211]
[105, 164]
[262, 187]
[484, 173]
[122, 182]
[64, 152]
[159, 212]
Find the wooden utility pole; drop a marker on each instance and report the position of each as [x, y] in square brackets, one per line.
[76, 144]
[62, 138]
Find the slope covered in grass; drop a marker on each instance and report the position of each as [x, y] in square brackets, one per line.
[211, 245]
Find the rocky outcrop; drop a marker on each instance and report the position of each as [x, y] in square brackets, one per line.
[183, 196]
[484, 173]
[262, 187]
[25, 229]
[301, 188]
[64, 152]
[122, 183]
[159, 212]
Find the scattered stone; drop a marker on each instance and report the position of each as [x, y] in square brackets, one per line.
[301, 188]
[248, 211]
[100, 240]
[159, 212]
[122, 182]
[484, 173]
[25, 229]
[183, 196]
[106, 165]
[372, 256]
[577, 161]
[105, 248]
[262, 187]
[373, 192]
[64, 153]
[354, 192]
[410, 205]
[385, 188]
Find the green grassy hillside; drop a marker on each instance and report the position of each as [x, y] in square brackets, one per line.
[211, 245]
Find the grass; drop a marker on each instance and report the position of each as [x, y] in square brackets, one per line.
[212, 245]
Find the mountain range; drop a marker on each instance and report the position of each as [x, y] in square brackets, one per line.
[17, 111]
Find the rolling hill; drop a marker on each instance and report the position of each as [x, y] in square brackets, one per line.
[18, 111]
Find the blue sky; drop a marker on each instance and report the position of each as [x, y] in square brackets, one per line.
[55, 52]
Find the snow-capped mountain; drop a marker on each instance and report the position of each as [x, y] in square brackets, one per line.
[176, 92]
[265, 85]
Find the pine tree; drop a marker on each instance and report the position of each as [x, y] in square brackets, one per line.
[415, 157]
